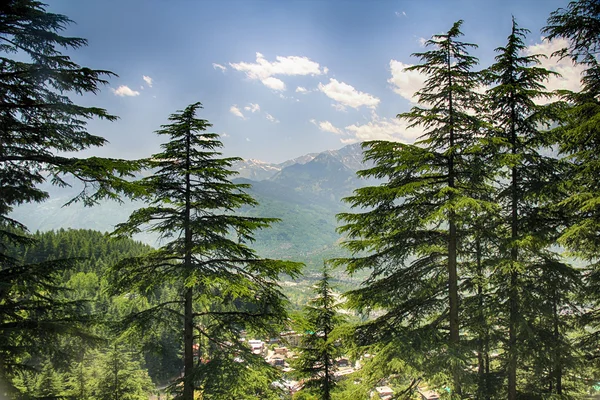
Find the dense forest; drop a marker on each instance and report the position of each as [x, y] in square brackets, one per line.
[477, 246]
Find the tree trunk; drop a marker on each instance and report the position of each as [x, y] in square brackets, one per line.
[188, 384]
[558, 349]
[513, 283]
[188, 340]
[482, 339]
[452, 269]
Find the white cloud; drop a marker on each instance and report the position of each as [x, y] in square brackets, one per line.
[422, 41]
[236, 111]
[125, 91]
[272, 118]
[148, 80]
[392, 129]
[225, 134]
[570, 74]
[339, 107]
[405, 83]
[349, 141]
[400, 14]
[252, 107]
[219, 66]
[327, 126]
[265, 71]
[325, 70]
[301, 89]
[347, 95]
[247, 139]
[273, 83]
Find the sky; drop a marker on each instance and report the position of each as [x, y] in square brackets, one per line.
[279, 79]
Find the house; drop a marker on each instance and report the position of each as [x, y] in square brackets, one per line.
[342, 362]
[277, 360]
[281, 350]
[384, 392]
[428, 394]
[257, 346]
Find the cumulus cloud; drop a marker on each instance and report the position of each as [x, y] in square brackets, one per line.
[265, 70]
[570, 73]
[274, 83]
[271, 118]
[252, 107]
[392, 129]
[148, 80]
[301, 89]
[124, 90]
[347, 95]
[405, 83]
[376, 128]
[327, 126]
[236, 111]
[219, 66]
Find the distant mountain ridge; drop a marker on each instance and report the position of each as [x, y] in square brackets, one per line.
[257, 170]
[304, 193]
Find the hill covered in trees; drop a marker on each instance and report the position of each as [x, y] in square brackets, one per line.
[462, 240]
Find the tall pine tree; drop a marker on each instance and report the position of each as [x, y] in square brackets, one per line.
[224, 287]
[529, 277]
[38, 121]
[409, 233]
[318, 351]
[579, 138]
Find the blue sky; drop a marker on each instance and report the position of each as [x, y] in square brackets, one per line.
[278, 79]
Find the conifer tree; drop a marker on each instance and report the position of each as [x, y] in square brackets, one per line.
[37, 122]
[526, 182]
[410, 232]
[318, 350]
[121, 377]
[224, 287]
[578, 135]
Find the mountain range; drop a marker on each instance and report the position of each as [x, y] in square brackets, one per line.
[304, 193]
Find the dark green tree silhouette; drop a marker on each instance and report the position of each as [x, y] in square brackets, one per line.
[409, 233]
[578, 135]
[318, 350]
[223, 286]
[529, 276]
[37, 122]
[121, 377]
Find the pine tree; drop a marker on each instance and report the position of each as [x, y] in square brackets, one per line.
[410, 232]
[318, 349]
[224, 286]
[528, 271]
[578, 135]
[121, 376]
[37, 122]
[579, 23]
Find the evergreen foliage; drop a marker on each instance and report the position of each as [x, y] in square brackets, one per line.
[528, 269]
[121, 377]
[409, 231]
[578, 136]
[319, 348]
[38, 121]
[223, 287]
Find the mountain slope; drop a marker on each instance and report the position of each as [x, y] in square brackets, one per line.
[304, 193]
